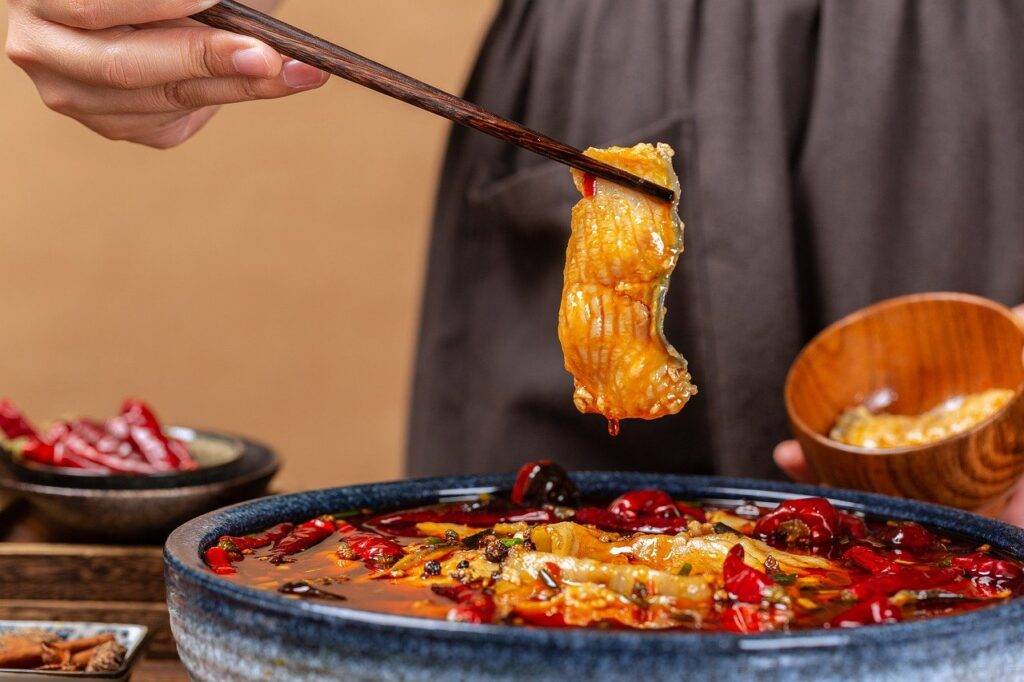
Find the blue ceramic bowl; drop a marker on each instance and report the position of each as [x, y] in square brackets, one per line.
[227, 631]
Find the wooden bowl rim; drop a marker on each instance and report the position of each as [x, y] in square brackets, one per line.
[875, 308]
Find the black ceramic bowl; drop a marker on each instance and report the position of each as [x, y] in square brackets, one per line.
[228, 631]
[146, 508]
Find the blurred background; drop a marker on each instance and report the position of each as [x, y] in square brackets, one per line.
[262, 279]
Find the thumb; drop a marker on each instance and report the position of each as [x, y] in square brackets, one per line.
[789, 457]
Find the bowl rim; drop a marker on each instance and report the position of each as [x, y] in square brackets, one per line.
[268, 467]
[803, 429]
[182, 556]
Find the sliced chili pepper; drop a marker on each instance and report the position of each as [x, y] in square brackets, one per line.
[544, 483]
[219, 561]
[878, 610]
[372, 549]
[13, 422]
[455, 514]
[743, 582]
[471, 605]
[806, 521]
[907, 535]
[589, 183]
[302, 537]
[604, 519]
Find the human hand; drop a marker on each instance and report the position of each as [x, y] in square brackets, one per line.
[139, 70]
[789, 457]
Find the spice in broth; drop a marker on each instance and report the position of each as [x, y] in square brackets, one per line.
[645, 561]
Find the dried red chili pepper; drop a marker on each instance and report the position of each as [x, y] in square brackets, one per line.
[219, 561]
[744, 582]
[694, 512]
[544, 483]
[892, 580]
[878, 610]
[604, 519]
[644, 503]
[868, 559]
[71, 446]
[272, 536]
[13, 422]
[471, 605]
[302, 537]
[148, 435]
[852, 525]
[807, 521]
[907, 535]
[372, 549]
[988, 568]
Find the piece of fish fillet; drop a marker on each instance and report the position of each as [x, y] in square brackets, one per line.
[622, 250]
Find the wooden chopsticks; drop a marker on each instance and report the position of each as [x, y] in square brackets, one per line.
[305, 47]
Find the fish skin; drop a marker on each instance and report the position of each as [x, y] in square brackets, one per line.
[622, 251]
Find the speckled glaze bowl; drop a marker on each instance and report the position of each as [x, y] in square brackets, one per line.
[227, 631]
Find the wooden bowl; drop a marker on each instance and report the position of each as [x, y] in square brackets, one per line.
[907, 355]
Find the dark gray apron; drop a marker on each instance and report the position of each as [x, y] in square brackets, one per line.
[831, 153]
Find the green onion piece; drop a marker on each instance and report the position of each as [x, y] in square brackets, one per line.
[434, 541]
[686, 568]
[784, 578]
[511, 542]
[723, 528]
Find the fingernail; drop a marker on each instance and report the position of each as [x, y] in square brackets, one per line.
[298, 75]
[251, 62]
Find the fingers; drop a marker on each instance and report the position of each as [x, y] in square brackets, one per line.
[100, 14]
[128, 59]
[161, 131]
[74, 99]
[1014, 511]
[789, 457]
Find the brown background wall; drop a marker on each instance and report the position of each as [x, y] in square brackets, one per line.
[263, 279]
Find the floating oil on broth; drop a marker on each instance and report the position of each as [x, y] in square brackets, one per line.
[644, 561]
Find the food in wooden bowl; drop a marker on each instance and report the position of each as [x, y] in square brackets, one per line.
[920, 396]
